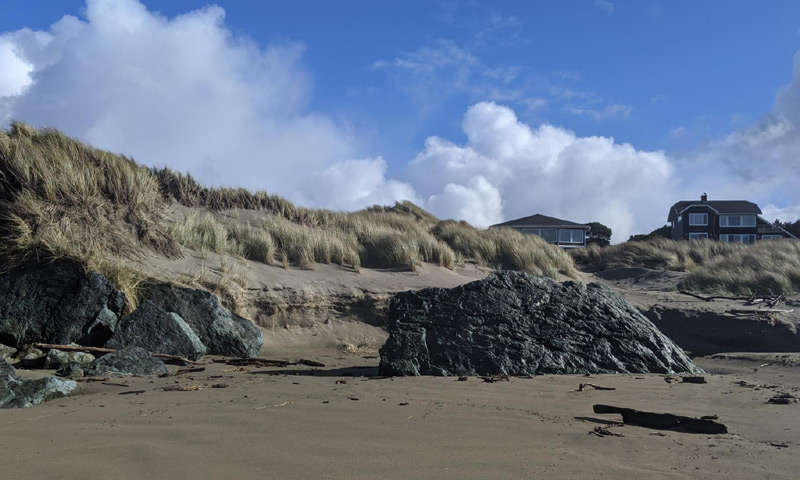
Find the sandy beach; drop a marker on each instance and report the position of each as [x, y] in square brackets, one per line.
[338, 421]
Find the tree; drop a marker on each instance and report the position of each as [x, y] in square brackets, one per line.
[793, 228]
[599, 234]
[662, 232]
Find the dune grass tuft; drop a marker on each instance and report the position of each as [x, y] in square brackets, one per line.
[714, 267]
[62, 198]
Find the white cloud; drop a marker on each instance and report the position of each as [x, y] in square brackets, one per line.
[16, 72]
[353, 184]
[508, 169]
[188, 93]
[601, 113]
[788, 214]
[604, 5]
[758, 162]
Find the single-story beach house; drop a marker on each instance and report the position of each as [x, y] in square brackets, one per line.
[563, 233]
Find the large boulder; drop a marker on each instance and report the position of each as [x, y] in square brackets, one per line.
[223, 332]
[16, 392]
[58, 302]
[158, 331]
[127, 361]
[513, 323]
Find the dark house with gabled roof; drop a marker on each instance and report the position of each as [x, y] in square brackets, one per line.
[563, 233]
[724, 220]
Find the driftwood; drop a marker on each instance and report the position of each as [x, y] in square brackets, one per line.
[264, 362]
[693, 379]
[73, 348]
[769, 300]
[758, 310]
[712, 297]
[663, 421]
[582, 386]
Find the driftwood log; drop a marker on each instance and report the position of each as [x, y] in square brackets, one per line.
[73, 348]
[265, 362]
[664, 421]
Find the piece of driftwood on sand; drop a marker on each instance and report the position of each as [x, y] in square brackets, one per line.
[663, 421]
[73, 348]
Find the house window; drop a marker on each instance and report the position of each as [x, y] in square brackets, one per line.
[698, 219]
[737, 220]
[698, 236]
[737, 238]
[570, 236]
[771, 237]
[549, 235]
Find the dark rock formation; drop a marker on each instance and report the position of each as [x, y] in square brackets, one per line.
[57, 302]
[158, 331]
[127, 361]
[16, 392]
[515, 324]
[223, 332]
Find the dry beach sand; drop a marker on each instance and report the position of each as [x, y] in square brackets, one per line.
[340, 421]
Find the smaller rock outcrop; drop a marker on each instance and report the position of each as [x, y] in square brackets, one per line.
[16, 392]
[223, 332]
[131, 360]
[513, 323]
[57, 359]
[6, 351]
[57, 302]
[159, 331]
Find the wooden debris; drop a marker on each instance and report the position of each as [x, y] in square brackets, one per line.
[265, 362]
[132, 392]
[462, 379]
[495, 378]
[278, 405]
[693, 379]
[582, 386]
[219, 385]
[783, 399]
[758, 311]
[181, 388]
[605, 432]
[73, 348]
[713, 297]
[663, 421]
[182, 371]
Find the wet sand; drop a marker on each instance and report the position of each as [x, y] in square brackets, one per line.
[340, 422]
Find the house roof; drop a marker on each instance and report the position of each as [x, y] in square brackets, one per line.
[539, 220]
[720, 206]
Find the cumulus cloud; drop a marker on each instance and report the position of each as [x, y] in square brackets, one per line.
[508, 169]
[184, 92]
[760, 161]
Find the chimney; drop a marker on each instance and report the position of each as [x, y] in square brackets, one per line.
[704, 198]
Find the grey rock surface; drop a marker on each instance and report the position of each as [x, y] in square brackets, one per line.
[56, 359]
[512, 323]
[223, 332]
[130, 360]
[57, 302]
[70, 370]
[157, 331]
[6, 351]
[16, 392]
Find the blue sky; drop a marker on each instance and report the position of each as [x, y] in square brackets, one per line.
[593, 110]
